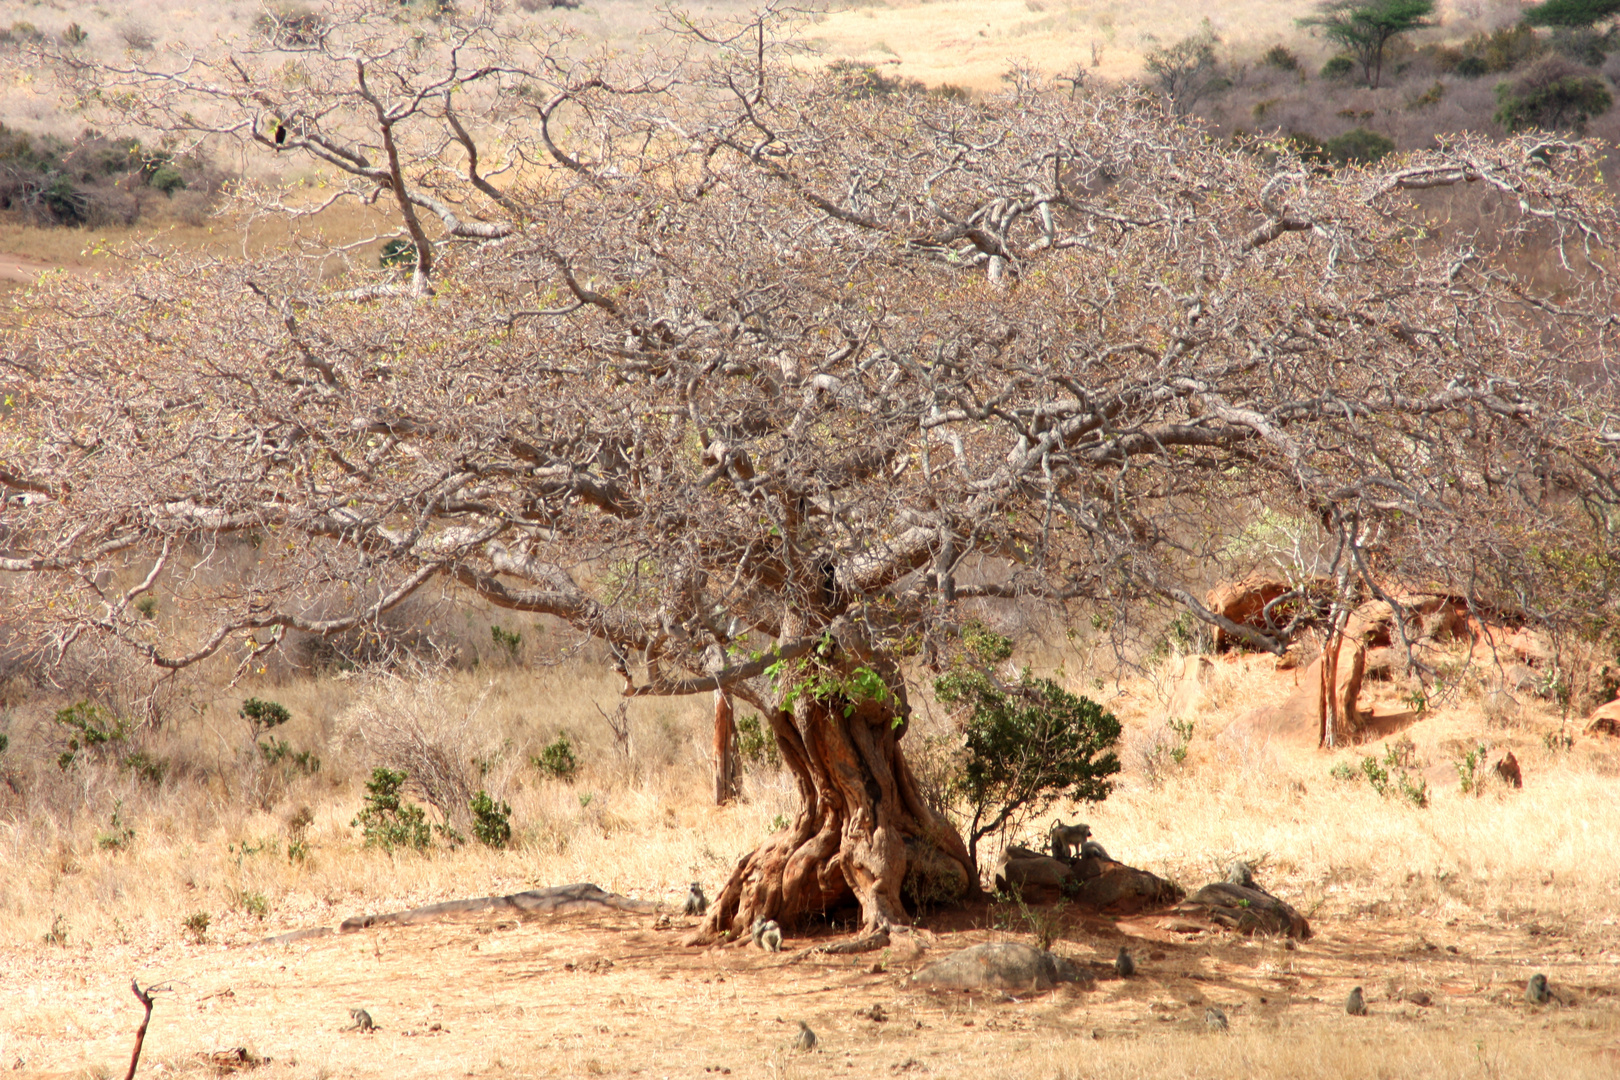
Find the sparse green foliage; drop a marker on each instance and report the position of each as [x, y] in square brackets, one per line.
[298, 834]
[557, 759]
[147, 606]
[93, 730]
[5, 741]
[1043, 922]
[387, 821]
[1364, 28]
[397, 253]
[858, 80]
[119, 834]
[255, 904]
[779, 822]
[1338, 67]
[1279, 57]
[1392, 775]
[1027, 745]
[492, 821]
[75, 35]
[1188, 71]
[987, 646]
[510, 640]
[1183, 731]
[196, 927]
[263, 715]
[148, 769]
[1469, 769]
[756, 744]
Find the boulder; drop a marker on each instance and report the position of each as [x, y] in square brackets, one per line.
[1244, 602]
[1034, 877]
[1246, 910]
[1605, 720]
[1112, 888]
[1002, 965]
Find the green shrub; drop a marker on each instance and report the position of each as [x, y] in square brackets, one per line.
[1358, 147]
[167, 179]
[147, 769]
[1571, 13]
[119, 835]
[196, 926]
[1392, 775]
[1553, 93]
[491, 820]
[75, 35]
[510, 640]
[387, 821]
[859, 81]
[1338, 67]
[1279, 57]
[93, 730]
[1504, 48]
[557, 760]
[1027, 745]
[397, 253]
[1471, 67]
[1469, 768]
[756, 744]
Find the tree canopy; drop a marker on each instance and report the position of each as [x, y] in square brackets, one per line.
[1575, 13]
[1364, 28]
[760, 384]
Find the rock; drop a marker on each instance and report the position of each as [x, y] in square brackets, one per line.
[1244, 602]
[1035, 877]
[1605, 720]
[1246, 910]
[1003, 965]
[1508, 770]
[1118, 889]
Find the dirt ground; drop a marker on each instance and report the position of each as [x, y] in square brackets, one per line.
[617, 996]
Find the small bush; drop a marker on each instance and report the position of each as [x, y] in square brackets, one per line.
[136, 36]
[1503, 49]
[119, 835]
[1183, 731]
[1553, 93]
[858, 81]
[491, 820]
[1469, 770]
[75, 35]
[510, 640]
[400, 254]
[387, 821]
[558, 759]
[1358, 147]
[254, 904]
[93, 730]
[196, 927]
[756, 744]
[1338, 67]
[1280, 58]
[147, 769]
[263, 715]
[1471, 67]
[167, 179]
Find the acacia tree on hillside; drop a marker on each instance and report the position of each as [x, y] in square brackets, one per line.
[760, 385]
[1365, 28]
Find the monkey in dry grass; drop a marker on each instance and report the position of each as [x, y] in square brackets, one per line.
[1536, 992]
[1215, 1019]
[807, 1038]
[696, 902]
[1123, 964]
[1356, 1004]
[362, 1022]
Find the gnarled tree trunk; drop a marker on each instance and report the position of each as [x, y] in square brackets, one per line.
[725, 749]
[864, 825]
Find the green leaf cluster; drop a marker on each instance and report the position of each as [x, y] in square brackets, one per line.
[388, 821]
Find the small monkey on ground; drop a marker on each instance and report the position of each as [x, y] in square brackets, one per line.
[362, 1021]
[1123, 964]
[1536, 991]
[806, 1039]
[768, 935]
[1214, 1019]
[696, 902]
[1356, 1004]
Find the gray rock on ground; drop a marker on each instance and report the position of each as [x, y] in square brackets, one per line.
[1004, 965]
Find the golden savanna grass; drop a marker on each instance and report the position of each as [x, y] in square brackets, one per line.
[1460, 901]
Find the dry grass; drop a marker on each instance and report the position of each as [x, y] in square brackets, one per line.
[1509, 879]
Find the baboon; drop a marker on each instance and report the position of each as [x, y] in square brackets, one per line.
[1067, 840]
[1214, 1019]
[806, 1039]
[362, 1021]
[1093, 850]
[769, 936]
[1123, 964]
[1536, 991]
[1355, 1004]
[696, 902]
[1240, 873]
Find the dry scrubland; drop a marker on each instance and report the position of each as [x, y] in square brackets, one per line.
[1460, 901]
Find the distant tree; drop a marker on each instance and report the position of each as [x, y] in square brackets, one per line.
[1366, 27]
[1188, 71]
[1571, 12]
[1554, 93]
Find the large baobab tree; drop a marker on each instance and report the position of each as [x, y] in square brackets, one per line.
[759, 382]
